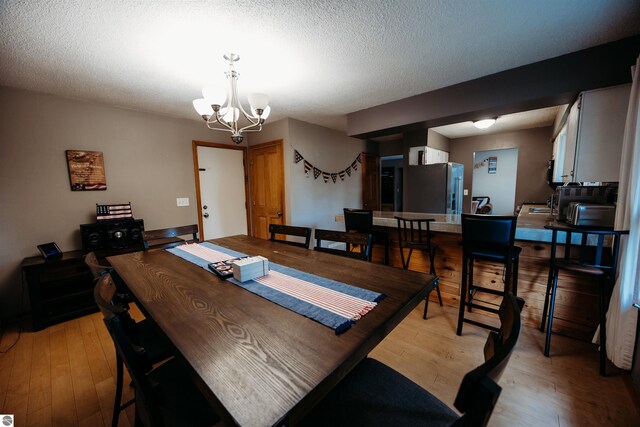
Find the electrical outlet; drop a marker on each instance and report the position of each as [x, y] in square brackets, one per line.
[465, 192]
[182, 201]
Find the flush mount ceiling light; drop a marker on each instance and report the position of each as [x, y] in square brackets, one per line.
[485, 123]
[221, 109]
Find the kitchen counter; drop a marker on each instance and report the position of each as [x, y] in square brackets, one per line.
[531, 222]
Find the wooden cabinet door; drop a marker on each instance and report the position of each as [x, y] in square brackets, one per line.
[370, 181]
[267, 187]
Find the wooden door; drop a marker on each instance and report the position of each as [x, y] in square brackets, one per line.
[267, 187]
[221, 189]
[370, 181]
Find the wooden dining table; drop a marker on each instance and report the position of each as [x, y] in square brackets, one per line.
[257, 363]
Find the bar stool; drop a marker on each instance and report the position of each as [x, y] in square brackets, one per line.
[416, 234]
[487, 238]
[361, 221]
[589, 262]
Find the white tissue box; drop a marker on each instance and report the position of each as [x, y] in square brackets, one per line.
[249, 268]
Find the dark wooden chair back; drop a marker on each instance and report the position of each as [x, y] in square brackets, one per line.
[489, 236]
[361, 240]
[290, 230]
[95, 267]
[136, 363]
[479, 391]
[414, 233]
[358, 220]
[482, 232]
[169, 237]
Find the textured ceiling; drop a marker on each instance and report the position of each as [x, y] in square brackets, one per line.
[317, 59]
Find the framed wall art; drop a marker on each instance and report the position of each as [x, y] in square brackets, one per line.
[86, 170]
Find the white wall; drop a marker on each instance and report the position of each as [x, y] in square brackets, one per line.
[501, 186]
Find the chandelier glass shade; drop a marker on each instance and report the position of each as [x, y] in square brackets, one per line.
[221, 108]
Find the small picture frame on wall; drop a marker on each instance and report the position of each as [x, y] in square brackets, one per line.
[86, 170]
[493, 164]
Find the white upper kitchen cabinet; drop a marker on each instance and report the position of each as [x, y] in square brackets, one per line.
[596, 125]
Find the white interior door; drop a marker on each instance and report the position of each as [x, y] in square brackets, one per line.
[222, 192]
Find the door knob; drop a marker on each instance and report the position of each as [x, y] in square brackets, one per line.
[279, 213]
[206, 215]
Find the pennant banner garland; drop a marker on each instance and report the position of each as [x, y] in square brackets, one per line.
[316, 172]
[297, 158]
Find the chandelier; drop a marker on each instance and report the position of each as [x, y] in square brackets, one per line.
[221, 109]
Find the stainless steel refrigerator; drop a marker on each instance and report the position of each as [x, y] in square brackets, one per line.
[435, 188]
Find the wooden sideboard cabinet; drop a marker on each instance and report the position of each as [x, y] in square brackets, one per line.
[59, 288]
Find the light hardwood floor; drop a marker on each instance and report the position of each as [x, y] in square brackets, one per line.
[65, 374]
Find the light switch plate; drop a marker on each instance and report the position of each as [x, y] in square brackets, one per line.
[182, 201]
[464, 193]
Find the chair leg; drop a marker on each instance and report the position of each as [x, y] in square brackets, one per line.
[470, 285]
[546, 300]
[463, 296]
[119, 380]
[514, 278]
[402, 256]
[406, 266]
[554, 290]
[439, 296]
[603, 328]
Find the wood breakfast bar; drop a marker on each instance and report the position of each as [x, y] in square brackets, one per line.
[576, 310]
[257, 363]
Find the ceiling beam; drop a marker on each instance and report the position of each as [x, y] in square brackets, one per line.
[541, 84]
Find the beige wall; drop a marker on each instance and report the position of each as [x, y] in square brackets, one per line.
[534, 151]
[437, 141]
[148, 162]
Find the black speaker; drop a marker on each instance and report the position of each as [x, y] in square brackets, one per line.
[111, 235]
[93, 237]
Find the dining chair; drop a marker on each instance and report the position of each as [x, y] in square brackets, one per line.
[361, 221]
[150, 344]
[591, 260]
[416, 234]
[360, 240]
[373, 394]
[97, 270]
[290, 230]
[487, 238]
[169, 237]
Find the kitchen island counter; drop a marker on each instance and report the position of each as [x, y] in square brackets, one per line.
[531, 222]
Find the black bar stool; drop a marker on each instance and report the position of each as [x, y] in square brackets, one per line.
[361, 221]
[591, 262]
[487, 238]
[416, 234]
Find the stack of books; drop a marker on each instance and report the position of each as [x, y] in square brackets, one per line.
[250, 268]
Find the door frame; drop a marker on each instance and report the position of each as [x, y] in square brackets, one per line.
[284, 183]
[196, 173]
